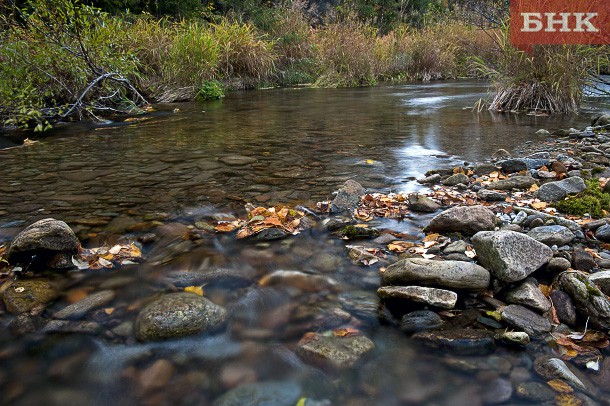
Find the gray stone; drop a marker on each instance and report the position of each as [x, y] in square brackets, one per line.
[456, 179]
[508, 255]
[497, 391]
[423, 204]
[299, 280]
[564, 307]
[445, 274]
[491, 195]
[269, 393]
[557, 265]
[573, 226]
[603, 232]
[516, 337]
[484, 169]
[524, 319]
[587, 297]
[535, 392]
[430, 180]
[601, 120]
[444, 299]
[177, 315]
[420, 320]
[542, 131]
[500, 155]
[461, 341]
[332, 351]
[602, 280]
[467, 220]
[237, 160]
[24, 295]
[554, 368]
[84, 306]
[459, 247]
[42, 241]
[513, 165]
[528, 294]
[554, 191]
[514, 182]
[552, 235]
[582, 260]
[348, 196]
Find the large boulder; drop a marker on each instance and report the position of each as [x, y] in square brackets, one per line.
[463, 219]
[47, 242]
[444, 274]
[348, 197]
[554, 191]
[508, 255]
[587, 297]
[177, 315]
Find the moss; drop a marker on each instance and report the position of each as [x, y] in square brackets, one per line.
[597, 169]
[592, 290]
[352, 232]
[592, 200]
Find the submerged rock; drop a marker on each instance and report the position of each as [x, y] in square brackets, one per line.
[177, 315]
[510, 256]
[463, 219]
[554, 191]
[442, 298]
[43, 242]
[270, 393]
[589, 300]
[333, 352]
[446, 274]
[462, 341]
[300, 280]
[348, 196]
[24, 295]
[84, 306]
[554, 368]
[420, 320]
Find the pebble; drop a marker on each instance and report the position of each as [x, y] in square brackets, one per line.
[84, 306]
[420, 320]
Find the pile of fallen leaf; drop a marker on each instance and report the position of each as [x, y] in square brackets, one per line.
[107, 257]
[260, 218]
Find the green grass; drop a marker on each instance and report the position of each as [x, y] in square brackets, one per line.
[592, 200]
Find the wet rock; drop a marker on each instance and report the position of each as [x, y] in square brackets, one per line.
[422, 204]
[557, 265]
[542, 131]
[445, 274]
[177, 315]
[491, 195]
[500, 155]
[515, 337]
[269, 393]
[456, 247]
[84, 306]
[269, 234]
[582, 260]
[67, 326]
[226, 277]
[361, 304]
[602, 378]
[524, 319]
[463, 219]
[498, 391]
[554, 191]
[484, 169]
[24, 324]
[445, 299]
[601, 120]
[513, 165]
[514, 182]
[237, 160]
[348, 196]
[535, 392]
[587, 297]
[528, 294]
[24, 295]
[430, 180]
[554, 368]
[552, 235]
[420, 320]
[300, 280]
[354, 232]
[602, 280]
[564, 307]
[603, 232]
[462, 341]
[456, 179]
[332, 351]
[156, 376]
[508, 255]
[327, 262]
[41, 241]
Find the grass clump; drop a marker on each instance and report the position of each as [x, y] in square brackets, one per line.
[210, 90]
[592, 200]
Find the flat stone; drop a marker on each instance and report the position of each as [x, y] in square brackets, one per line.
[422, 204]
[269, 393]
[237, 160]
[554, 191]
[84, 306]
[603, 232]
[587, 297]
[332, 351]
[429, 180]
[462, 341]
[508, 255]
[457, 247]
[528, 294]
[300, 280]
[524, 319]
[467, 220]
[491, 195]
[177, 315]
[420, 320]
[456, 179]
[552, 235]
[564, 307]
[602, 280]
[444, 299]
[24, 295]
[444, 274]
[516, 337]
[514, 182]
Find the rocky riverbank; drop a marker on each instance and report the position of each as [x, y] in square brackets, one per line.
[496, 268]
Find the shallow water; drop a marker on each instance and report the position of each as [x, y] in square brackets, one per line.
[178, 168]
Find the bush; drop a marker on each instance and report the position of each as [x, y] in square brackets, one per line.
[211, 90]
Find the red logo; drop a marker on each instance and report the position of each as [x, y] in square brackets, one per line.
[537, 22]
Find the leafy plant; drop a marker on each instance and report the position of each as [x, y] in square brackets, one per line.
[210, 90]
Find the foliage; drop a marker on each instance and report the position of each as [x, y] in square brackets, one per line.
[592, 200]
[210, 90]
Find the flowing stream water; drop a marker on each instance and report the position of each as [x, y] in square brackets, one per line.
[192, 162]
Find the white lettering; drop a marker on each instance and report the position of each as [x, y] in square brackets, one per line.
[580, 22]
[530, 24]
[551, 22]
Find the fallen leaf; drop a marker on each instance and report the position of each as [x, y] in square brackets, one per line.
[560, 386]
[345, 332]
[431, 237]
[400, 246]
[198, 290]
[538, 205]
[534, 188]
[567, 400]
[109, 310]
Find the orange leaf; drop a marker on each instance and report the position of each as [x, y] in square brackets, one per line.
[560, 386]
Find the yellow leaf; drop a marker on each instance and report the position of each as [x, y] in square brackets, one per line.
[539, 205]
[431, 237]
[567, 400]
[560, 386]
[370, 161]
[198, 290]
[109, 310]
[534, 188]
